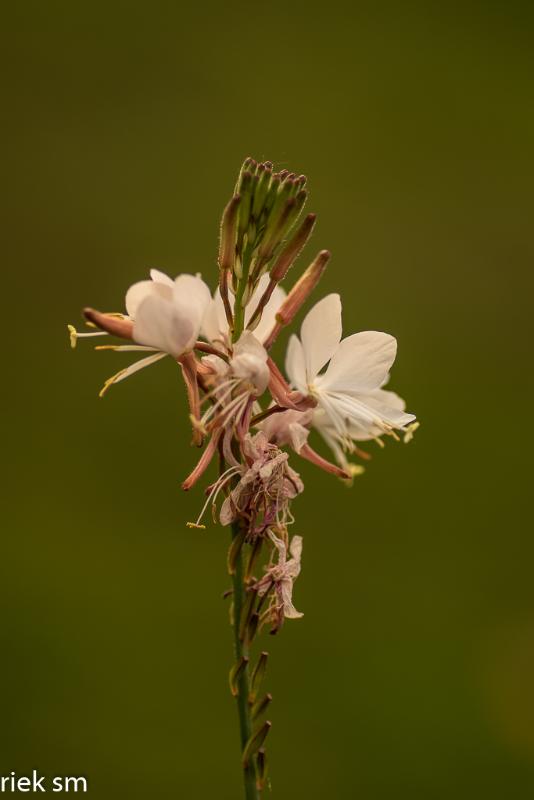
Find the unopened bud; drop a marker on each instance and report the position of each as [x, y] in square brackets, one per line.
[302, 289]
[262, 189]
[298, 295]
[282, 220]
[245, 190]
[281, 266]
[292, 249]
[301, 197]
[228, 234]
[111, 323]
[272, 193]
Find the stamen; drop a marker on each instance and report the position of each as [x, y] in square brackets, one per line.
[75, 335]
[122, 348]
[216, 488]
[125, 373]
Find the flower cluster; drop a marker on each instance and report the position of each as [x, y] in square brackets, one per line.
[241, 405]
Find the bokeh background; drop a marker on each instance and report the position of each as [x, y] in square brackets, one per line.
[124, 124]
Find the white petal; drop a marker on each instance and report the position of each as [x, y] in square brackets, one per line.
[295, 364]
[320, 334]
[249, 344]
[163, 324]
[393, 414]
[295, 548]
[215, 324]
[139, 291]
[191, 291]
[266, 324]
[286, 589]
[389, 398]
[298, 436]
[379, 400]
[249, 361]
[360, 363]
[227, 513]
[160, 277]
[334, 445]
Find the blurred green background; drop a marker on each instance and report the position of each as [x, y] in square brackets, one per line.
[124, 124]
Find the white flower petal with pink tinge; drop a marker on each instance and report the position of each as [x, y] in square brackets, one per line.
[168, 314]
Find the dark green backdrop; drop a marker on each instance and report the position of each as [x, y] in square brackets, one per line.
[410, 675]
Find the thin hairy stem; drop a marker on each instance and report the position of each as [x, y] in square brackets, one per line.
[241, 650]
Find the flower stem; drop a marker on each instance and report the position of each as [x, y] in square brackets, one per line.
[241, 649]
[239, 311]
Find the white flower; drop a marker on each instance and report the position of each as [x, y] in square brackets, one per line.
[215, 324]
[349, 391]
[167, 314]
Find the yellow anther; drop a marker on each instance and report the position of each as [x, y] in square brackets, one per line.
[196, 525]
[355, 469]
[410, 430]
[110, 381]
[73, 333]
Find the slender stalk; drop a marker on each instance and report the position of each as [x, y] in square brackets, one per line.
[241, 649]
[239, 311]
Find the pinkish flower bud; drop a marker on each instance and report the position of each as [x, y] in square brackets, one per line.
[111, 323]
[228, 234]
[298, 295]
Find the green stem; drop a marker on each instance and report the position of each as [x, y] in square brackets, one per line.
[243, 707]
[239, 311]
